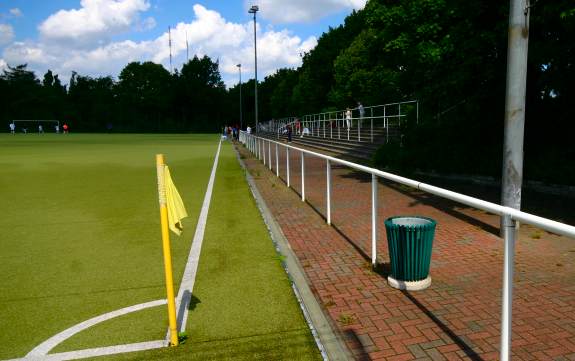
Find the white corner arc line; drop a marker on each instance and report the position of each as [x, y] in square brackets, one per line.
[189, 276]
[42, 349]
[100, 351]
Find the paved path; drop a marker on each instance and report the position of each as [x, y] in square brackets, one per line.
[458, 317]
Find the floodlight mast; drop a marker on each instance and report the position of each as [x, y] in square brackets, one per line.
[170, 45]
[241, 116]
[253, 10]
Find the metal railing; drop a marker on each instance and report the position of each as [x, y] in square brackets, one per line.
[257, 146]
[276, 125]
[355, 127]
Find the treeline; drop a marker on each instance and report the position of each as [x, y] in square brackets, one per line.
[448, 54]
[145, 98]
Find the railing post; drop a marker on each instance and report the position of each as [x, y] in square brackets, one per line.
[359, 130]
[277, 162]
[324, 125]
[330, 128]
[287, 166]
[371, 124]
[373, 220]
[264, 150]
[328, 191]
[507, 297]
[302, 176]
[386, 124]
[270, 154]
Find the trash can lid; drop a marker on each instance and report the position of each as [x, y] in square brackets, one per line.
[410, 221]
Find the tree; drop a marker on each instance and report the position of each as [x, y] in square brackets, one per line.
[144, 92]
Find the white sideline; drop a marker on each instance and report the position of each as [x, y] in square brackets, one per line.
[100, 351]
[188, 279]
[42, 349]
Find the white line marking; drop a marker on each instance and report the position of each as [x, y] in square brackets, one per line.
[189, 277]
[45, 347]
[100, 351]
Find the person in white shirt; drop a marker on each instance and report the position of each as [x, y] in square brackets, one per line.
[57, 127]
[40, 129]
[348, 118]
[249, 129]
[12, 128]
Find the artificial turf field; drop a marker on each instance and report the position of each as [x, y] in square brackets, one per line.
[80, 237]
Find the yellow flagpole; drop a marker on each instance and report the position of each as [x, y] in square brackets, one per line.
[167, 252]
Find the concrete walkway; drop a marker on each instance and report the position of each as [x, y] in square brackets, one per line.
[458, 317]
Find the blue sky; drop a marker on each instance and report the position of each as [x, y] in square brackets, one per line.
[99, 37]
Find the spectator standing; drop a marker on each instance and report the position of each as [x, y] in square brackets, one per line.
[249, 129]
[348, 118]
[361, 113]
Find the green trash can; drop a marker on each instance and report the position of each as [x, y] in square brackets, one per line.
[410, 240]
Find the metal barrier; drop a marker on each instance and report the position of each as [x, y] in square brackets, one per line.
[510, 216]
[337, 125]
[333, 124]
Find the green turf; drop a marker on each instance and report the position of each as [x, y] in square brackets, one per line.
[80, 232]
[244, 307]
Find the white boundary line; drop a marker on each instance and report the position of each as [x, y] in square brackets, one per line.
[45, 347]
[40, 352]
[188, 279]
[101, 351]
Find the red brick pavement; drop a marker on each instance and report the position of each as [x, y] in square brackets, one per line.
[458, 317]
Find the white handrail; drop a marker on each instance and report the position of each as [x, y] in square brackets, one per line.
[510, 217]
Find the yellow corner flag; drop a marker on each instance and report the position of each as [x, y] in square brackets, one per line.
[171, 213]
[176, 210]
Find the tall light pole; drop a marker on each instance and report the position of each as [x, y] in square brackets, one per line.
[241, 122]
[253, 10]
[512, 175]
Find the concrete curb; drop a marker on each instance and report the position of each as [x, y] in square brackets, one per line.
[330, 343]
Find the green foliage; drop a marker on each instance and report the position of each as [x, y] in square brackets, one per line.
[145, 98]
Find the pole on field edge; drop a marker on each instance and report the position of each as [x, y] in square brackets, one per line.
[166, 250]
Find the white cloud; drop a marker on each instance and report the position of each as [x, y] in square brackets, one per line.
[16, 12]
[95, 21]
[3, 65]
[208, 34]
[298, 11]
[147, 24]
[6, 34]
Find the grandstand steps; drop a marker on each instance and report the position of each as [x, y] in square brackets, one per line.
[342, 147]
